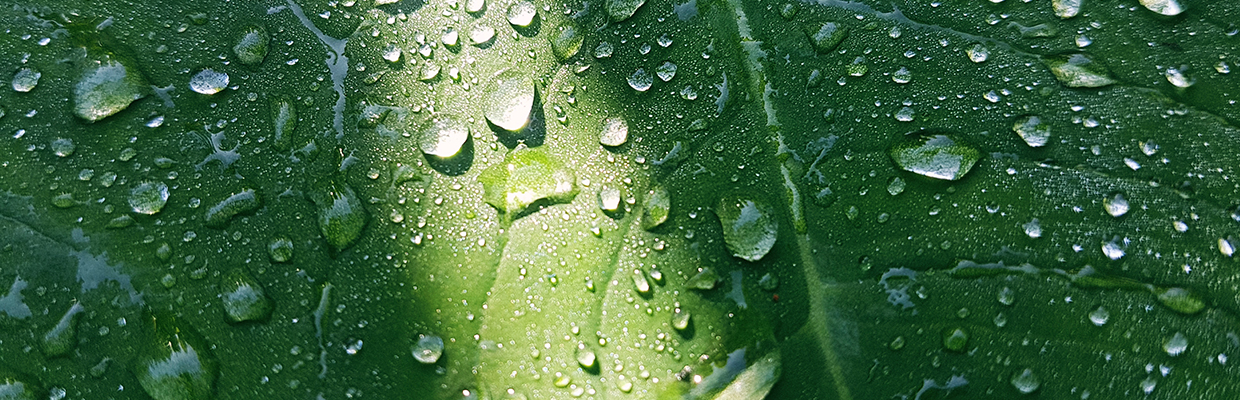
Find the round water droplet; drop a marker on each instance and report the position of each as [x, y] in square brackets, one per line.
[666, 71]
[1007, 296]
[208, 82]
[1177, 77]
[901, 76]
[242, 297]
[1099, 316]
[1079, 70]
[1066, 8]
[935, 155]
[443, 137]
[1175, 345]
[481, 34]
[978, 53]
[827, 36]
[251, 47]
[955, 339]
[615, 132]
[750, 227]
[26, 79]
[1025, 381]
[105, 88]
[1164, 7]
[641, 80]
[510, 99]
[63, 147]
[340, 213]
[895, 186]
[1032, 130]
[428, 349]
[586, 358]
[1115, 205]
[522, 13]
[148, 197]
[280, 250]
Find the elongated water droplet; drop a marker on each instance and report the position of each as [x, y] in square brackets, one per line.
[826, 37]
[340, 213]
[936, 155]
[244, 201]
[284, 116]
[604, 50]
[1112, 250]
[750, 227]
[1079, 70]
[566, 44]
[640, 283]
[1180, 300]
[658, 205]
[62, 337]
[680, 319]
[208, 82]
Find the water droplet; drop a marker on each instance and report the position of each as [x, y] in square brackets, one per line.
[609, 198]
[897, 343]
[473, 6]
[428, 349]
[1180, 300]
[604, 50]
[1164, 7]
[392, 53]
[1032, 130]
[1112, 250]
[978, 53]
[176, 364]
[1099, 316]
[1177, 77]
[789, 10]
[242, 202]
[1225, 247]
[934, 155]
[481, 34]
[1148, 384]
[208, 82]
[1079, 70]
[1115, 204]
[1025, 381]
[895, 186]
[827, 36]
[955, 339]
[566, 44]
[525, 176]
[641, 80]
[451, 37]
[902, 76]
[703, 280]
[63, 147]
[640, 283]
[586, 358]
[615, 132]
[510, 99]
[284, 114]
[60, 339]
[242, 297]
[1033, 228]
[750, 227]
[666, 71]
[443, 137]
[657, 208]
[905, 114]
[280, 250]
[251, 47]
[1006, 296]
[105, 88]
[1000, 320]
[148, 197]
[664, 41]
[340, 213]
[522, 13]
[26, 79]
[429, 72]
[680, 319]
[1175, 345]
[620, 10]
[1066, 8]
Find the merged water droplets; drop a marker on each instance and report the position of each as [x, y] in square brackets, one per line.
[509, 100]
[148, 197]
[750, 227]
[935, 155]
[208, 81]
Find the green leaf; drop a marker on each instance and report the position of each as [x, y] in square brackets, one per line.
[707, 199]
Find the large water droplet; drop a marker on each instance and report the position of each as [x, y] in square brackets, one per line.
[566, 44]
[1099, 316]
[657, 208]
[428, 349]
[251, 47]
[978, 53]
[955, 339]
[26, 79]
[749, 226]
[1032, 130]
[1079, 70]
[341, 215]
[524, 177]
[680, 319]
[473, 6]
[902, 76]
[827, 36]
[148, 197]
[934, 155]
[63, 147]
[522, 13]
[1025, 381]
[604, 50]
[641, 80]
[280, 250]
[284, 115]
[1115, 205]
[1177, 77]
[615, 132]
[242, 297]
[620, 10]
[1164, 7]
[242, 202]
[1176, 344]
[105, 88]
[1112, 250]
[1066, 8]
[177, 364]
[666, 71]
[208, 81]
[1180, 300]
[510, 98]
[443, 136]
[481, 34]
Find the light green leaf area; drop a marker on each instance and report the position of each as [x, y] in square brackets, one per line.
[926, 200]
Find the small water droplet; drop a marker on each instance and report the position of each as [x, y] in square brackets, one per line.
[902, 76]
[666, 71]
